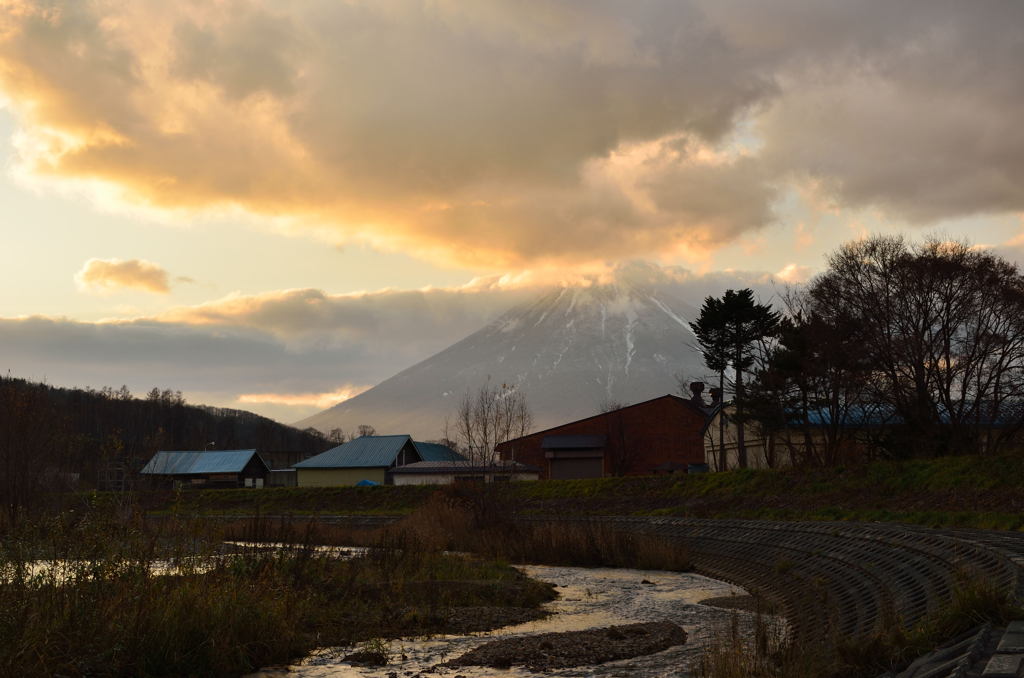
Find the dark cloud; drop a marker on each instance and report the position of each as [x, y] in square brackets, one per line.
[910, 107]
[220, 360]
[499, 133]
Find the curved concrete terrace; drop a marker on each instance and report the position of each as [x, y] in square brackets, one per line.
[843, 579]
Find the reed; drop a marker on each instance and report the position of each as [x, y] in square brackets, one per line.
[101, 595]
[482, 520]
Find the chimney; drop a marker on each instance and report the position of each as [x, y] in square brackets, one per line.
[697, 389]
[716, 397]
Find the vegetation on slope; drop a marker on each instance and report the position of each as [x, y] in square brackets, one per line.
[970, 491]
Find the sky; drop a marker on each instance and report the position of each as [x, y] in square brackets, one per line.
[273, 206]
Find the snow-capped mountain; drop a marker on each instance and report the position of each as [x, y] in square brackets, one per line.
[568, 351]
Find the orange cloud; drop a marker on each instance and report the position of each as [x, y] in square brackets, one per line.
[106, 275]
[793, 273]
[370, 122]
[521, 135]
[318, 400]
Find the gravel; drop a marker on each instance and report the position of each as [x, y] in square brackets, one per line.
[549, 651]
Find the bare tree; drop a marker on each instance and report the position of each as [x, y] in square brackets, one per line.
[488, 416]
[364, 430]
[942, 324]
[336, 436]
[810, 394]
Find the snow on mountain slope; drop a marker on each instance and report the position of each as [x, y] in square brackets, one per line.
[568, 350]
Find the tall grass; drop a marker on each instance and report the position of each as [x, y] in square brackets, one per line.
[481, 520]
[103, 596]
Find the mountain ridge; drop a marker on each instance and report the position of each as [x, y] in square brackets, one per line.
[568, 350]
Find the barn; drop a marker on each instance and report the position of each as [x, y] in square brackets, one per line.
[369, 458]
[210, 468]
[661, 435]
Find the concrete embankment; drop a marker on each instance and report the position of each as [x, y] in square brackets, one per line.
[844, 578]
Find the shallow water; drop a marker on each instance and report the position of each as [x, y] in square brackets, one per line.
[588, 598]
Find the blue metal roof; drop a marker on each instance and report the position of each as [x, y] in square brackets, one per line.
[855, 416]
[436, 452]
[365, 452]
[198, 462]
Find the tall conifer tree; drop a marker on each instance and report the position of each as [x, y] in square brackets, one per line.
[726, 330]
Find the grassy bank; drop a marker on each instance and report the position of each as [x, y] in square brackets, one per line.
[951, 491]
[87, 598]
[480, 520]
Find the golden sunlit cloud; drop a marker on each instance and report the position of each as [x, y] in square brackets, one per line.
[792, 273]
[366, 121]
[505, 135]
[319, 400]
[107, 275]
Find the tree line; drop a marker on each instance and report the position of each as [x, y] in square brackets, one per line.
[52, 438]
[897, 349]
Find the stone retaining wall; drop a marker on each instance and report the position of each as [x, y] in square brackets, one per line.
[843, 578]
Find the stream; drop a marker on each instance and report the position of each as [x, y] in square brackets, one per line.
[588, 598]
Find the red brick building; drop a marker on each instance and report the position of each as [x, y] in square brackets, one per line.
[656, 436]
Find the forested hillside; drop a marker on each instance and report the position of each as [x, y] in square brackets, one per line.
[52, 438]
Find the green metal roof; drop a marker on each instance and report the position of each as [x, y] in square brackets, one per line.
[181, 463]
[365, 452]
[436, 452]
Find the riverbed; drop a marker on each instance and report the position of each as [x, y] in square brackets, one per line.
[588, 598]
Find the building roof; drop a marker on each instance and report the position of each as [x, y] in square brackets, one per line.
[464, 466]
[181, 463]
[437, 452]
[364, 452]
[704, 411]
[577, 442]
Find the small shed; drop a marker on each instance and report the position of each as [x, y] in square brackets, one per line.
[211, 468]
[448, 472]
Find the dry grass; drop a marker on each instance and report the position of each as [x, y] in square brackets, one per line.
[481, 520]
[87, 597]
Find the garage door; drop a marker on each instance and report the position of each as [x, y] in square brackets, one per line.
[565, 469]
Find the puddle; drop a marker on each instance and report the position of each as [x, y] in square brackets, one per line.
[588, 598]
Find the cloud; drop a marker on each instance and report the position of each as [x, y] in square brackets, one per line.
[911, 108]
[285, 354]
[105, 275]
[320, 401]
[491, 134]
[394, 328]
[793, 273]
[503, 134]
